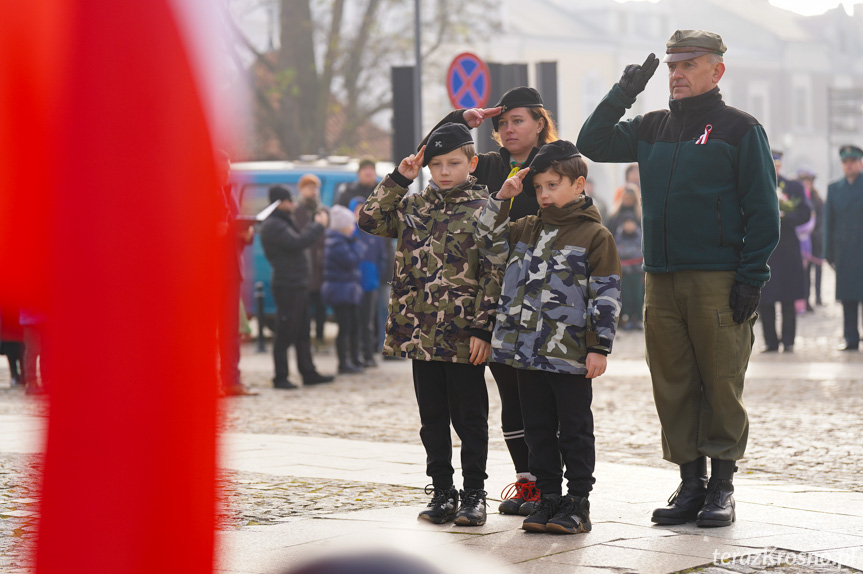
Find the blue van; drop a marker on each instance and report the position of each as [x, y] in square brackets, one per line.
[252, 180]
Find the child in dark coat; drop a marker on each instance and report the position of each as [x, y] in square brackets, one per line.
[341, 288]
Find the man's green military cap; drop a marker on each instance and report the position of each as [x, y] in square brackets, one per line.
[850, 151]
[688, 44]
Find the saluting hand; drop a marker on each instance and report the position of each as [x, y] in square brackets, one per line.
[411, 165]
[635, 77]
[475, 116]
[513, 185]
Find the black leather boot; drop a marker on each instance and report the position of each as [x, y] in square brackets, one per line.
[719, 503]
[688, 499]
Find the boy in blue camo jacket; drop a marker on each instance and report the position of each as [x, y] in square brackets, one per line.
[555, 323]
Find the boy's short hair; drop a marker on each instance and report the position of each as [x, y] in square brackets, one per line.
[573, 168]
[469, 150]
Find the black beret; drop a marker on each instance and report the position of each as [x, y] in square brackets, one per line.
[521, 97]
[445, 139]
[550, 152]
[280, 193]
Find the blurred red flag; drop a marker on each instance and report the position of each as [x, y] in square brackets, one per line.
[108, 208]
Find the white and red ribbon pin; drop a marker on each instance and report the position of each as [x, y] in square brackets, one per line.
[703, 139]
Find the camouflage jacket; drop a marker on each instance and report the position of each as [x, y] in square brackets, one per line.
[443, 291]
[561, 286]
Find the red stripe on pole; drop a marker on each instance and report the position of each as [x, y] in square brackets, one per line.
[127, 200]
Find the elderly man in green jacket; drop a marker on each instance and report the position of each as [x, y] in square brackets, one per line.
[710, 222]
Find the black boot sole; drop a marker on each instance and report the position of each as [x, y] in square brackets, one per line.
[670, 521]
[710, 523]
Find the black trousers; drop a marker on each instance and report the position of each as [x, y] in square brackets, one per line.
[347, 341]
[292, 319]
[318, 314]
[558, 421]
[366, 327]
[849, 313]
[453, 392]
[767, 311]
[511, 423]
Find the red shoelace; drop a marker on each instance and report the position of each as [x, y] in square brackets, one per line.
[526, 490]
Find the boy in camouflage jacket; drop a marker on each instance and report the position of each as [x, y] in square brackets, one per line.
[441, 311]
[555, 323]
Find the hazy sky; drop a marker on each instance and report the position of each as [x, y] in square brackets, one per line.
[805, 7]
[809, 7]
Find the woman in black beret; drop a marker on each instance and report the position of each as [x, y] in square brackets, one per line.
[521, 126]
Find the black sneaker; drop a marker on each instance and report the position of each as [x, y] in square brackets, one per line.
[515, 495]
[472, 509]
[542, 513]
[442, 507]
[317, 379]
[573, 516]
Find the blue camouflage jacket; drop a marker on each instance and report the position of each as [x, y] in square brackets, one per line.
[560, 296]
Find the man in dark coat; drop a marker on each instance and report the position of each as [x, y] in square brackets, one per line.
[843, 237]
[286, 248]
[787, 276]
[367, 180]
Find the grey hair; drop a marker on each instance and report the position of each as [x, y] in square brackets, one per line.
[714, 59]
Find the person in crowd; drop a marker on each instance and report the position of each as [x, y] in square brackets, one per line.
[342, 289]
[632, 178]
[37, 368]
[555, 328]
[598, 203]
[521, 125]
[708, 232]
[813, 262]
[628, 240]
[628, 203]
[374, 257]
[787, 281]
[234, 236]
[367, 179]
[12, 343]
[287, 250]
[843, 236]
[308, 205]
[444, 295]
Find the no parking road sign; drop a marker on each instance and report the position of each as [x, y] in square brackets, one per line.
[468, 81]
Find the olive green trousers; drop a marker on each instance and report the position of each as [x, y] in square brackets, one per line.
[697, 357]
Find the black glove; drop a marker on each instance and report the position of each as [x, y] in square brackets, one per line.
[744, 301]
[635, 77]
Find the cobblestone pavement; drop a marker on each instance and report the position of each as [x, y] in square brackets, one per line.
[801, 430]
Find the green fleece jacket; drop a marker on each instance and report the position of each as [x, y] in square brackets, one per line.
[708, 185]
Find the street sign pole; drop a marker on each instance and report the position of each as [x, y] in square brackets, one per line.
[418, 75]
